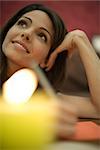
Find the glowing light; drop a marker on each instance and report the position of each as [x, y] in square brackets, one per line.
[20, 86]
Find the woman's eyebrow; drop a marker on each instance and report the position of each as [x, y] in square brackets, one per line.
[28, 18]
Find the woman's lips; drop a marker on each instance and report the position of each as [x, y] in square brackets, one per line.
[21, 46]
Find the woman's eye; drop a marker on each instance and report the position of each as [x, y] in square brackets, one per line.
[42, 36]
[22, 23]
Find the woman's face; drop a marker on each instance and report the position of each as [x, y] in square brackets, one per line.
[29, 38]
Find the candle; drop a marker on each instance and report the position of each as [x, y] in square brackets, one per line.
[28, 125]
[20, 87]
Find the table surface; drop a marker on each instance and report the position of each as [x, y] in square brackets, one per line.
[71, 145]
[76, 145]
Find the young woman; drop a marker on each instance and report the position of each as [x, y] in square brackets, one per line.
[35, 32]
[52, 38]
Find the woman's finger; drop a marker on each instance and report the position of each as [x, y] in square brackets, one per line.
[65, 130]
[51, 60]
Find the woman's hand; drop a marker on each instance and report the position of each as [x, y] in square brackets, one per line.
[67, 119]
[68, 43]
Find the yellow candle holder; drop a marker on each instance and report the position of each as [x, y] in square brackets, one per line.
[28, 126]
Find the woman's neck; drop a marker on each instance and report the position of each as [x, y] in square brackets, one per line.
[12, 68]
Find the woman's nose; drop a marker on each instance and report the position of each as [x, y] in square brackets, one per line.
[25, 36]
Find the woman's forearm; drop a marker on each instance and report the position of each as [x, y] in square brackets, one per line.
[91, 64]
[84, 106]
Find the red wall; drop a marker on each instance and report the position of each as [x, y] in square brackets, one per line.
[76, 14]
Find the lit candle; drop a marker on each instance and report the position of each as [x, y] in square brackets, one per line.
[20, 87]
[29, 125]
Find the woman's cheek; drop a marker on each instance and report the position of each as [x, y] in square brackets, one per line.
[7, 41]
[4, 46]
[40, 51]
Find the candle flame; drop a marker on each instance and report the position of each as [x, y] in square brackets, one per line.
[20, 86]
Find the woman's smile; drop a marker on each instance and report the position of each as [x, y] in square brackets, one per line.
[20, 46]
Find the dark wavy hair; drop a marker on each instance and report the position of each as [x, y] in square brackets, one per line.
[56, 74]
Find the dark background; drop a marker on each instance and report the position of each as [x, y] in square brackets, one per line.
[84, 15]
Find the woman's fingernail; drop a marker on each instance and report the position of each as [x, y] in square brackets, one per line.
[47, 69]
